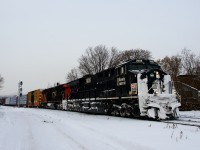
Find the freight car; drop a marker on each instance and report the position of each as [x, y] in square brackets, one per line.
[133, 88]
[13, 100]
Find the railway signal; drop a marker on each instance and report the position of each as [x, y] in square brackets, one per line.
[19, 92]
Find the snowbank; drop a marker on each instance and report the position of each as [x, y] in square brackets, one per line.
[40, 129]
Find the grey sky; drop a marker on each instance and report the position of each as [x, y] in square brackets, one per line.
[41, 40]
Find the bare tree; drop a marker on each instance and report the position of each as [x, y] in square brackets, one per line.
[198, 66]
[135, 54]
[171, 65]
[100, 58]
[1, 81]
[72, 75]
[97, 59]
[190, 62]
[114, 59]
[102, 55]
[84, 65]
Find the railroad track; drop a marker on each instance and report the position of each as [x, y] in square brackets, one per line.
[189, 121]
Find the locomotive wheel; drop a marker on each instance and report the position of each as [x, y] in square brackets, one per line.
[117, 113]
[122, 112]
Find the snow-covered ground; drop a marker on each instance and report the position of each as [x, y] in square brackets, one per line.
[40, 129]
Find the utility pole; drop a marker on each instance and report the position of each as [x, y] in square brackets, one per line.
[19, 92]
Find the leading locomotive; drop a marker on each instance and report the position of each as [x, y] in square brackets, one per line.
[133, 88]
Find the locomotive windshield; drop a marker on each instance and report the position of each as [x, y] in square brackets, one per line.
[137, 66]
[142, 66]
[153, 66]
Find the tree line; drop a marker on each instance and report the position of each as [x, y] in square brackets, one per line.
[98, 58]
[186, 63]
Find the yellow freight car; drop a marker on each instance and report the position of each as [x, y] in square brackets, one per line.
[34, 98]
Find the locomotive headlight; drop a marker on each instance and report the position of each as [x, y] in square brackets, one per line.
[157, 75]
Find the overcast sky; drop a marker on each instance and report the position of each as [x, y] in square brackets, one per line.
[41, 40]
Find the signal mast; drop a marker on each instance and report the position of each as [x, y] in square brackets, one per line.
[19, 92]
